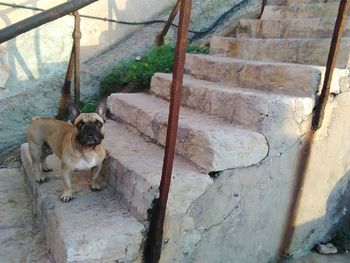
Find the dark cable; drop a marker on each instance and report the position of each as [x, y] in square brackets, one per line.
[197, 34]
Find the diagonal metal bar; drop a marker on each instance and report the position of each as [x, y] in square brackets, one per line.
[42, 18]
[155, 232]
[321, 103]
[160, 37]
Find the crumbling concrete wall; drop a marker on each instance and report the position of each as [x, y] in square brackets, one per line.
[242, 215]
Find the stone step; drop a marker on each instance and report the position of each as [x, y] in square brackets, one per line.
[293, 79]
[134, 170]
[20, 241]
[208, 142]
[302, 10]
[291, 2]
[289, 28]
[91, 228]
[302, 51]
[247, 106]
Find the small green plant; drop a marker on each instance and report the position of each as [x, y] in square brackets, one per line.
[137, 75]
[89, 106]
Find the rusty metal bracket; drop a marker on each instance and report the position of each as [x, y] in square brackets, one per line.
[155, 233]
[160, 37]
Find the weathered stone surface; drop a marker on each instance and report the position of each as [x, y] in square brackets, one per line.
[246, 106]
[326, 249]
[134, 169]
[19, 239]
[289, 28]
[325, 197]
[302, 10]
[207, 141]
[302, 51]
[281, 118]
[290, 2]
[91, 228]
[254, 201]
[316, 258]
[299, 80]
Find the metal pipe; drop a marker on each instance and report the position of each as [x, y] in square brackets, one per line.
[318, 114]
[154, 243]
[160, 37]
[65, 90]
[263, 4]
[321, 102]
[77, 37]
[42, 18]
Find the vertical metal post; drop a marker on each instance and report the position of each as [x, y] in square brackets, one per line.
[318, 114]
[321, 103]
[155, 237]
[160, 37]
[65, 90]
[77, 37]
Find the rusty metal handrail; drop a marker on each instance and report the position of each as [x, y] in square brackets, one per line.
[174, 11]
[42, 18]
[318, 114]
[47, 16]
[154, 242]
[321, 102]
[263, 4]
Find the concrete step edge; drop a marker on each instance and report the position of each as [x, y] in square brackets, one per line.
[134, 170]
[201, 138]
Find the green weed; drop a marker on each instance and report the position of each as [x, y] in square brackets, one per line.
[136, 75]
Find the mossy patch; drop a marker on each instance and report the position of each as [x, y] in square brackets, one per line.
[136, 75]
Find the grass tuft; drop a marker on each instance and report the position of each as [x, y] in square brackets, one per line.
[136, 75]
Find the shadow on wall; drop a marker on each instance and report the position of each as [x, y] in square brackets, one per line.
[36, 62]
[242, 214]
[42, 53]
[337, 215]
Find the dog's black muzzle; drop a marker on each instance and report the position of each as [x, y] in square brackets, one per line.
[89, 135]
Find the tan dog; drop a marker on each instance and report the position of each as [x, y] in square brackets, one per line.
[77, 145]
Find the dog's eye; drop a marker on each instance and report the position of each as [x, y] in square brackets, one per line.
[80, 125]
[98, 124]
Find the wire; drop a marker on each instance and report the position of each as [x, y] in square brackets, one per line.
[197, 33]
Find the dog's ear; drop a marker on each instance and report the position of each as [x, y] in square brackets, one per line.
[74, 111]
[101, 109]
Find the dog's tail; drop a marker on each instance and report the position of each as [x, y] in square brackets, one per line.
[65, 100]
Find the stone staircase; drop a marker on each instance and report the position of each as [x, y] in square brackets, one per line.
[245, 109]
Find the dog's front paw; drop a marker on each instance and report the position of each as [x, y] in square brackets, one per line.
[41, 179]
[66, 197]
[95, 187]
